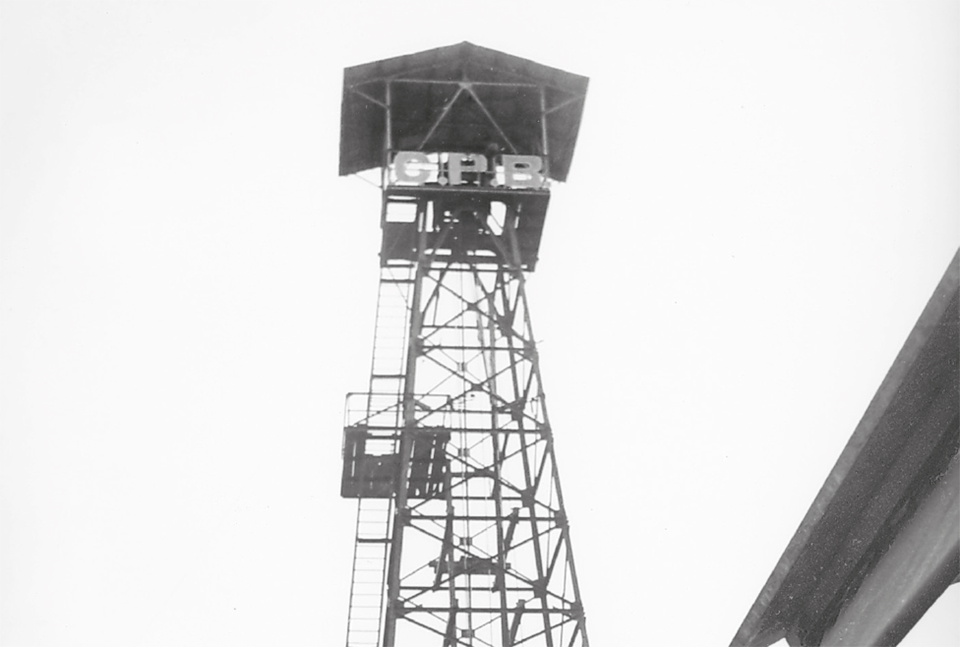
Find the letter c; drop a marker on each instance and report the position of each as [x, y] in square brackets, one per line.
[402, 159]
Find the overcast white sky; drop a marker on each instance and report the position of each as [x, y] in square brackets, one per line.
[763, 198]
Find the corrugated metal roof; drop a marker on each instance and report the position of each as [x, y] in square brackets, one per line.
[501, 106]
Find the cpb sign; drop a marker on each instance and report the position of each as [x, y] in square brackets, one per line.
[413, 168]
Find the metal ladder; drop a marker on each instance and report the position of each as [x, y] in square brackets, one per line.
[374, 515]
[370, 555]
[393, 323]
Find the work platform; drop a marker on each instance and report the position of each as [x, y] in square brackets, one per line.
[371, 464]
[471, 212]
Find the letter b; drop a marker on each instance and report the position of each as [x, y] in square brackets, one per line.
[522, 171]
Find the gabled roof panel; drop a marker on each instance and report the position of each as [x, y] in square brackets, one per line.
[416, 106]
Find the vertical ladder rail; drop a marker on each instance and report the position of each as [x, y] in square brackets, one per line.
[374, 515]
[390, 336]
[369, 567]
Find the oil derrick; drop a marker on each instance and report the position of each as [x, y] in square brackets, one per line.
[461, 534]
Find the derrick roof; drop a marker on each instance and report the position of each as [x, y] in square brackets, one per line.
[459, 97]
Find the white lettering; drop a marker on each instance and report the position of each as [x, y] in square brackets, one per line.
[476, 164]
[458, 169]
[522, 171]
[402, 161]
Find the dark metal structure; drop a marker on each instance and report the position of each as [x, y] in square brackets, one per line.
[461, 534]
[881, 541]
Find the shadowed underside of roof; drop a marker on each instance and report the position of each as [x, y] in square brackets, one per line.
[464, 98]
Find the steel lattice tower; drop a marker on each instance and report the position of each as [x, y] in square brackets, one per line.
[461, 534]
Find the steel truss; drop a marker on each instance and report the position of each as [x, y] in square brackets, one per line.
[452, 459]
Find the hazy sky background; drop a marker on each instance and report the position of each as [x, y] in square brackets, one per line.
[763, 198]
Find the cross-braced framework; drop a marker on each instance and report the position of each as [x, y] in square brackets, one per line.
[461, 534]
[479, 545]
